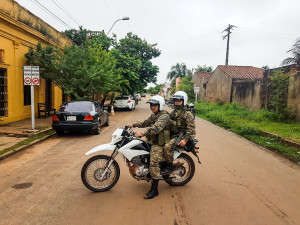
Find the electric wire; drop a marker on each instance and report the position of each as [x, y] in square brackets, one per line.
[41, 6]
[64, 10]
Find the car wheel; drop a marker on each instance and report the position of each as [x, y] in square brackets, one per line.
[98, 130]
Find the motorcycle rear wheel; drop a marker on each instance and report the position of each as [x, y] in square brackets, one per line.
[186, 171]
[93, 169]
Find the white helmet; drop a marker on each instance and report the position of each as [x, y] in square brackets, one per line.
[181, 95]
[157, 100]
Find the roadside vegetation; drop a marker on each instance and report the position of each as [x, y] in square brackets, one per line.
[253, 124]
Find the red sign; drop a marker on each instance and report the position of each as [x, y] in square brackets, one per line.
[27, 80]
[35, 81]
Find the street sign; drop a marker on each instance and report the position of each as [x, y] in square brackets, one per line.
[196, 90]
[31, 75]
[32, 78]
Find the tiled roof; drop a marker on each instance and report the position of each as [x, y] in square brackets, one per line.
[243, 72]
[202, 77]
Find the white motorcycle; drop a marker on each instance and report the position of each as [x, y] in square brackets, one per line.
[101, 172]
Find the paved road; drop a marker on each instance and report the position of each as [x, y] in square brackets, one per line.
[238, 183]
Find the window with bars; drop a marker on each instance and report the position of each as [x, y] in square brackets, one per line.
[3, 93]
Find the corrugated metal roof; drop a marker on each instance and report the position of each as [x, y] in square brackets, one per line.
[243, 72]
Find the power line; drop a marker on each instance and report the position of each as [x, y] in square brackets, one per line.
[36, 2]
[228, 29]
[64, 10]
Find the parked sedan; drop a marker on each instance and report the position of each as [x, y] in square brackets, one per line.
[124, 102]
[80, 116]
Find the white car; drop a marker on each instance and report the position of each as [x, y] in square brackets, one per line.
[124, 102]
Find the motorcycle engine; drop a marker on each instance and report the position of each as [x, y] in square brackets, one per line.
[138, 166]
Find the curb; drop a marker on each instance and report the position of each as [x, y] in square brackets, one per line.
[288, 142]
[28, 135]
[5, 155]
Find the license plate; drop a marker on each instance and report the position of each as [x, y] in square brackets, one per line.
[71, 118]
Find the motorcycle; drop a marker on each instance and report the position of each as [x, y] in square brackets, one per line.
[101, 172]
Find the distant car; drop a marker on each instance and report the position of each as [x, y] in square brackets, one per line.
[143, 95]
[124, 102]
[80, 116]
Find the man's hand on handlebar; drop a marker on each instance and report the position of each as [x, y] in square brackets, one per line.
[182, 143]
[137, 135]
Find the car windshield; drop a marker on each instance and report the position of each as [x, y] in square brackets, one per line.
[122, 98]
[76, 107]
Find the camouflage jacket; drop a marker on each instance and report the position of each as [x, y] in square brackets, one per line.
[156, 124]
[183, 121]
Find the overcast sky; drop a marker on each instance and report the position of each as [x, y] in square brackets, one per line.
[190, 31]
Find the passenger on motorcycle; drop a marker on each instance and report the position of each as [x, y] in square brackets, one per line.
[182, 120]
[158, 134]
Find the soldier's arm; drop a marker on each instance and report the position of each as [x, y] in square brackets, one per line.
[191, 128]
[145, 123]
[159, 125]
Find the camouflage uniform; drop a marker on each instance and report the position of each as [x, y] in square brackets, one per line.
[158, 133]
[182, 121]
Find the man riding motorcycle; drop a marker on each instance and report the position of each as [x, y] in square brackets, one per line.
[158, 134]
[182, 120]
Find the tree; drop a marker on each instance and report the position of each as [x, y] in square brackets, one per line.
[187, 86]
[179, 70]
[203, 68]
[79, 37]
[47, 58]
[295, 59]
[134, 57]
[87, 70]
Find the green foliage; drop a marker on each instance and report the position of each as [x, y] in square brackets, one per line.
[154, 90]
[47, 58]
[203, 68]
[295, 51]
[252, 124]
[79, 37]
[187, 86]
[86, 71]
[178, 70]
[279, 83]
[98, 65]
[134, 57]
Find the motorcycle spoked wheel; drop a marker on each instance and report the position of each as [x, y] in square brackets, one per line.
[183, 173]
[92, 170]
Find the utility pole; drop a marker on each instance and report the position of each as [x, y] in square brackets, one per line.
[228, 30]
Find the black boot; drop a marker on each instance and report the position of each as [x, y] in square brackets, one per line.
[166, 169]
[153, 191]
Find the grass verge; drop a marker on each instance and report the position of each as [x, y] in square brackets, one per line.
[250, 125]
[27, 141]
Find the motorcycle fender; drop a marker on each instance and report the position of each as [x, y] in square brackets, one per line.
[177, 153]
[99, 148]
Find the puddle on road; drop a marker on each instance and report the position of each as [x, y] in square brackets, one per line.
[22, 186]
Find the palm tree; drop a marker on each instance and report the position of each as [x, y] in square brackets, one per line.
[179, 70]
[295, 59]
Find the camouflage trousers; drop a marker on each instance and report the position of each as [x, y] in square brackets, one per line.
[156, 156]
[168, 153]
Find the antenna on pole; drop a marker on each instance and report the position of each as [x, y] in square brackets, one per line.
[228, 30]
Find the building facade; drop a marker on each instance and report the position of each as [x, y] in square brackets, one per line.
[19, 31]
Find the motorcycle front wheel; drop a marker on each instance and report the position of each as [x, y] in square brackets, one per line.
[183, 170]
[93, 169]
